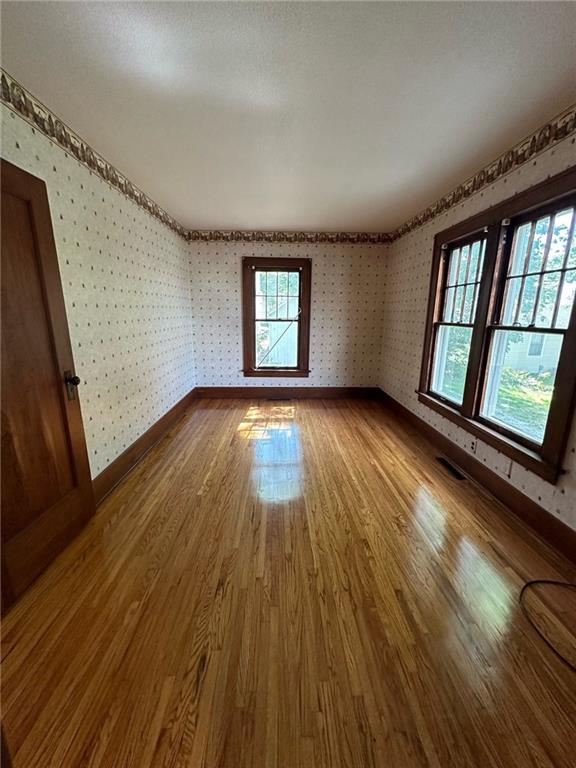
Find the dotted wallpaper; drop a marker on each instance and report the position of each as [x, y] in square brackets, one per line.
[405, 300]
[346, 315]
[127, 286]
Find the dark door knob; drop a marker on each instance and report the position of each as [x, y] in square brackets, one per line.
[73, 380]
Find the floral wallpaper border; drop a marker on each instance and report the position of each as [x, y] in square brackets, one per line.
[21, 101]
[267, 236]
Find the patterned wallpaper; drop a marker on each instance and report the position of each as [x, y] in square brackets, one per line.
[405, 300]
[126, 280]
[346, 315]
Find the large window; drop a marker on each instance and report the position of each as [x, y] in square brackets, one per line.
[500, 348]
[276, 304]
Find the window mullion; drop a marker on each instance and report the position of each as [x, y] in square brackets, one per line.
[493, 260]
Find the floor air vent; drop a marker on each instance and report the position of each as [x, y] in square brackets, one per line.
[451, 468]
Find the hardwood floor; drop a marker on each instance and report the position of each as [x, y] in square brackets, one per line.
[291, 583]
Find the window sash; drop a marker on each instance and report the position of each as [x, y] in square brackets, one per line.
[259, 366]
[497, 425]
[435, 354]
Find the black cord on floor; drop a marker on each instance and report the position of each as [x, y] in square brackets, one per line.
[533, 583]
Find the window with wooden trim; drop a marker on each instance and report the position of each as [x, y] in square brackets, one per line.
[453, 329]
[276, 316]
[500, 347]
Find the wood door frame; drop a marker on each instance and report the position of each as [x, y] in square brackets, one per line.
[20, 183]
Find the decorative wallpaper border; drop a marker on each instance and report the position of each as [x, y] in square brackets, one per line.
[21, 101]
[265, 236]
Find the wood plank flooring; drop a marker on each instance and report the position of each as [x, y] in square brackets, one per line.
[284, 584]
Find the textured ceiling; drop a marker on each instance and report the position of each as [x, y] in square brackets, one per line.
[296, 116]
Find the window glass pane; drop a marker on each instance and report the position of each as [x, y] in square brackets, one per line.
[277, 344]
[561, 230]
[463, 270]
[474, 253]
[468, 299]
[511, 296]
[547, 300]
[282, 307]
[294, 283]
[451, 361]
[519, 385]
[566, 299]
[528, 300]
[271, 307]
[271, 283]
[282, 283]
[449, 304]
[453, 268]
[293, 307]
[519, 246]
[539, 244]
[261, 282]
[458, 303]
[260, 306]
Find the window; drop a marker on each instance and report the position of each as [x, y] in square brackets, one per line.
[276, 316]
[453, 332]
[500, 347]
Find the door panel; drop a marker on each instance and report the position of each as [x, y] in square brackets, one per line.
[46, 486]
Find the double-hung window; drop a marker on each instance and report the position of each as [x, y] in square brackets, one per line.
[453, 329]
[276, 316]
[500, 348]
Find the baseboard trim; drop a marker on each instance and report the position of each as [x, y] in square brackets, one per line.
[548, 527]
[123, 464]
[283, 393]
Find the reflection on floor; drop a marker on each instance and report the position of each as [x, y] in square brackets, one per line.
[290, 584]
[277, 465]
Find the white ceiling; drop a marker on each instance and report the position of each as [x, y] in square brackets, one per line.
[296, 116]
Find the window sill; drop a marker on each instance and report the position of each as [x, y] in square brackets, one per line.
[271, 373]
[527, 458]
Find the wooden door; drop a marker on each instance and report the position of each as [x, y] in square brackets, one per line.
[46, 487]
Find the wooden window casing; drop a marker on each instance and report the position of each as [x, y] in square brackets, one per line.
[498, 225]
[250, 266]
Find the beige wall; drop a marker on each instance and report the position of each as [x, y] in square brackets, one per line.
[126, 281]
[406, 297]
[346, 315]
